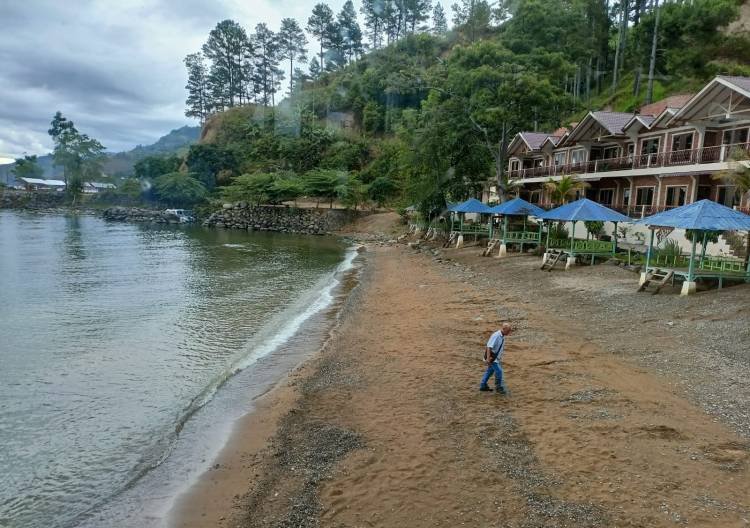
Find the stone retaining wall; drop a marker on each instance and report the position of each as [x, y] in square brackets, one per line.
[137, 214]
[12, 199]
[281, 219]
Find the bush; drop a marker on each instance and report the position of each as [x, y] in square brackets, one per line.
[254, 188]
[594, 228]
[381, 190]
[179, 188]
[670, 249]
[557, 231]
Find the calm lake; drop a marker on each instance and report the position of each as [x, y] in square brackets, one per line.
[113, 337]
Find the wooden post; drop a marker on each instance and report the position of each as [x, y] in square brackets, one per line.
[573, 239]
[614, 238]
[549, 225]
[505, 227]
[691, 266]
[650, 245]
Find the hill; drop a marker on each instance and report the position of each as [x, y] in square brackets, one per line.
[428, 117]
[121, 164]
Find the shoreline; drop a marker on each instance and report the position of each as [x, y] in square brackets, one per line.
[384, 426]
[207, 500]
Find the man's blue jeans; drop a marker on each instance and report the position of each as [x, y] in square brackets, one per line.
[497, 370]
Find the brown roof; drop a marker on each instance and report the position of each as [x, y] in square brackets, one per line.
[534, 139]
[675, 101]
[741, 82]
[612, 121]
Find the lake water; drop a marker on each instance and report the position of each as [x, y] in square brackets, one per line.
[117, 339]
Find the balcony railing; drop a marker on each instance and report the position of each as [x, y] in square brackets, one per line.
[675, 158]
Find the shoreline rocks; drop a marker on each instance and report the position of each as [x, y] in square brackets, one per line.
[281, 219]
[137, 214]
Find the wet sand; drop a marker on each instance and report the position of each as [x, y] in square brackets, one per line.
[385, 426]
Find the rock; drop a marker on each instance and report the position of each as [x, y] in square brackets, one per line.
[228, 206]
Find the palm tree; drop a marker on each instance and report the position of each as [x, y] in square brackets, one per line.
[564, 189]
[738, 176]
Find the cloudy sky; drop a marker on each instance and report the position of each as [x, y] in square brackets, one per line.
[114, 67]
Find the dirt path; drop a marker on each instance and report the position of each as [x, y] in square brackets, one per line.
[389, 429]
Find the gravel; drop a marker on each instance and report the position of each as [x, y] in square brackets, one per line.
[698, 343]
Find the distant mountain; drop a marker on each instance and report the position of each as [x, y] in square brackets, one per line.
[121, 164]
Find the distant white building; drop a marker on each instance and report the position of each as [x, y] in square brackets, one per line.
[95, 187]
[36, 184]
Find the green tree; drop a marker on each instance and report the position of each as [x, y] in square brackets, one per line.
[352, 192]
[381, 190]
[80, 155]
[322, 184]
[564, 189]
[179, 188]
[27, 167]
[254, 188]
[292, 46]
[439, 21]
[594, 228]
[151, 167]
[373, 14]
[198, 99]
[350, 31]
[226, 48]
[130, 190]
[319, 25]
[267, 75]
[482, 97]
[206, 161]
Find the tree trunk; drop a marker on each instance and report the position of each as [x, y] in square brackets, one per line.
[620, 41]
[652, 64]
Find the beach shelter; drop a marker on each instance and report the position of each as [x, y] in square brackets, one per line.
[472, 205]
[701, 216]
[518, 207]
[583, 210]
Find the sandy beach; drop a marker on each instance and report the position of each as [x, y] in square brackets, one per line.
[624, 409]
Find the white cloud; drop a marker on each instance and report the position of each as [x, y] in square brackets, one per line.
[114, 68]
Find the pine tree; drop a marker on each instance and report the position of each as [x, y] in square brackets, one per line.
[225, 48]
[319, 25]
[350, 31]
[473, 15]
[267, 75]
[292, 42]
[373, 13]
[415, 13]
[198, 99]
[439, 22]
[314, 68]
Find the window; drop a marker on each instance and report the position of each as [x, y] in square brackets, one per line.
[727, 196]
[676, 196]
[704, 192]
[606, 196]
[610, 152]
[682, 142]
[535, 197]
[732, 137]
[626, 197]
[644, 196]
[514, 165]
[630, 149]
[559, 158]
[650, 146]
[578, 156]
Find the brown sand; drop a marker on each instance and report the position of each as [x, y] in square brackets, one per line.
[386, 427]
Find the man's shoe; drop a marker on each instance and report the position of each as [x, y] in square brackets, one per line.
[485, 389]
[500, 390]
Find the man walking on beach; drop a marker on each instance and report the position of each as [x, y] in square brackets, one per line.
[493, 354]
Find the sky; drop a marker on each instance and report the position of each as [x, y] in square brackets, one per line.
[114, 67]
